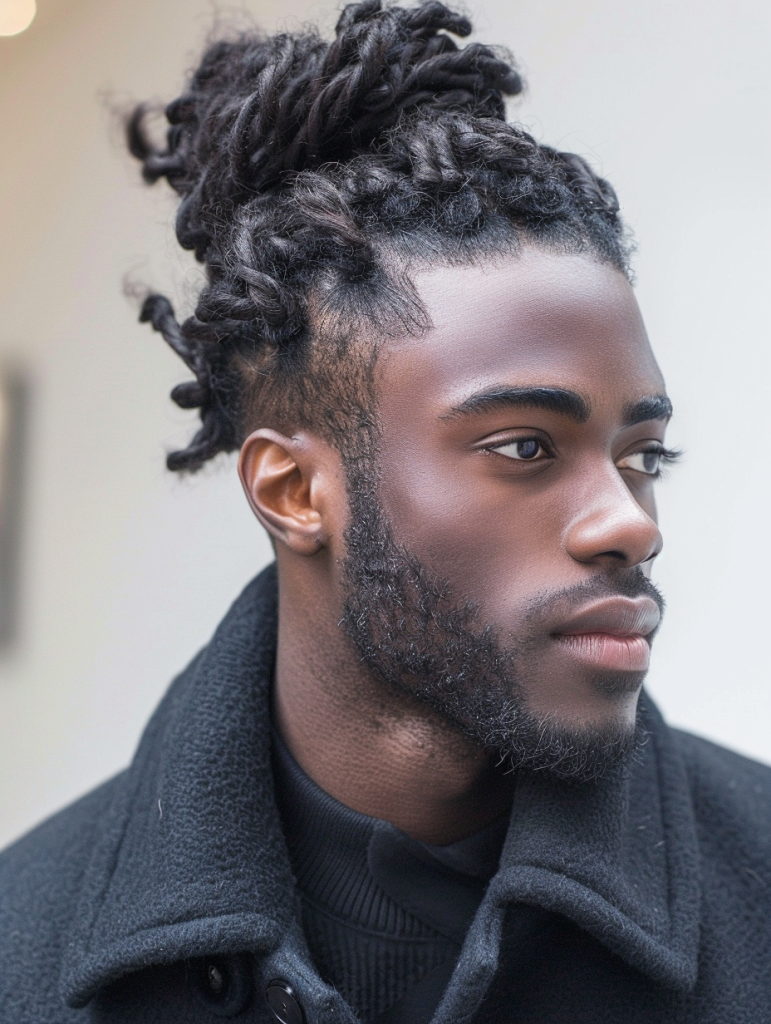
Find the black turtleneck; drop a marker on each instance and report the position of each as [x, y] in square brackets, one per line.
[384, 915]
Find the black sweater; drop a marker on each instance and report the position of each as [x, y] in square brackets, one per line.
[167, 895]
[384, 915]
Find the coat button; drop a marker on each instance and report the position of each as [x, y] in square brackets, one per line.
[283, 1002]
[215, 979]
[223, 984]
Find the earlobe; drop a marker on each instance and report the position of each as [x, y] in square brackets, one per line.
[277, 474]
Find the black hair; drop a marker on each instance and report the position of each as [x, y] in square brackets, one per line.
[312, 176]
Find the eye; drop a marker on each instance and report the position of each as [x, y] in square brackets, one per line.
[527, 450]
[650, 462]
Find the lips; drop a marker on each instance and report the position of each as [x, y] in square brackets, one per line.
[611, 634]
[614, 616]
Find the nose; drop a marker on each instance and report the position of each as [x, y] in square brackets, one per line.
[611, 528]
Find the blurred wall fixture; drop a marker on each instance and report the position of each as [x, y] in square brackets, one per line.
[16, 15]
[14, 401]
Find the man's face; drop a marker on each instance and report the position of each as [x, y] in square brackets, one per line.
[498, 569]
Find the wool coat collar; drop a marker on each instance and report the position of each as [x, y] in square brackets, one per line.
[191, 860]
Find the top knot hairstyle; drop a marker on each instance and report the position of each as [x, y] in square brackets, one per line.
[312, 175]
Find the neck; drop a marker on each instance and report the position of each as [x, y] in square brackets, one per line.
[380, 753]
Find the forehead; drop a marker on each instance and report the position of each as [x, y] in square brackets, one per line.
[535, 319]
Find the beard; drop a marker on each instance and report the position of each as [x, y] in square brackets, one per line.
[418, 638]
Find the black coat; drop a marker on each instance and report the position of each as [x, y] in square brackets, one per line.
[166, 894]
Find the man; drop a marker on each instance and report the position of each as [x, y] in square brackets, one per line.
[412, 778]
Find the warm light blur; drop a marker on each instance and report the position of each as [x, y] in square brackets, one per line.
[16, 15]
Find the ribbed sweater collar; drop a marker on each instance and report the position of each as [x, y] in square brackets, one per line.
[372, 876]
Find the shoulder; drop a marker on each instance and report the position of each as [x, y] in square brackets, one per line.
[724, 771]
[57, 847]
[731, 795]
[40, 878]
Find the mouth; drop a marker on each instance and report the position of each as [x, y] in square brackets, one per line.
[613, 634]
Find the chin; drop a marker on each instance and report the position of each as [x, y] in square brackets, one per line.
[585, 735]
[581, 750]
[602, 701]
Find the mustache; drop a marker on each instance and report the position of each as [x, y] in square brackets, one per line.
[555, 605]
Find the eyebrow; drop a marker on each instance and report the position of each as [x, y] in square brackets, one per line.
[560, 400]
[654, 407]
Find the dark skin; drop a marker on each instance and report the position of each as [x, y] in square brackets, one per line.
[507, 492]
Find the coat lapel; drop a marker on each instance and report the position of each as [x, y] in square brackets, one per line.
[617, 857]
[191, 858]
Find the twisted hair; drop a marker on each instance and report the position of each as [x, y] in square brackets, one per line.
[312, 176]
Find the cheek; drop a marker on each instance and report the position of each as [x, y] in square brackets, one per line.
[495, 546]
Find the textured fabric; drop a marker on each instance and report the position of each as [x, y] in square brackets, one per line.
[380, 911]
[650, 893]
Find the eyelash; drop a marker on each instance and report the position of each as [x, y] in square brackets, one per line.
[668, 456]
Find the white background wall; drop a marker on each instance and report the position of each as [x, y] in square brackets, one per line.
[127, 569]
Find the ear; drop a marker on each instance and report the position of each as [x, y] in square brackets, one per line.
[289, 484]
